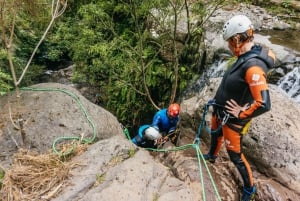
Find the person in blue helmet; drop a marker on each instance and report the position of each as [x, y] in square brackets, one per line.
[164, 123]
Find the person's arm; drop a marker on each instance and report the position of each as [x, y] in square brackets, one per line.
[156, 120]
[173, 125]
[172, 129]
[256, 79]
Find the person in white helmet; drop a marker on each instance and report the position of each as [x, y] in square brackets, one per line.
[146, 137]
[242, 95]
[162, 129]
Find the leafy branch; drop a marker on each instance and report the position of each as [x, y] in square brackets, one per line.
[8, 17]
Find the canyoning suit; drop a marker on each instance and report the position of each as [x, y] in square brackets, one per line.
[245, 82]
[164, 123]
[140, 139]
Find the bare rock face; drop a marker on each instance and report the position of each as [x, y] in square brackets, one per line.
[111, 168]
[272, 145]
[49, 111]
[115, 169]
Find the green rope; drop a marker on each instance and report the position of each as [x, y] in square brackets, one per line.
[199, 155]
[126, 132]
[201, 125]
[85, 140]
[83, 109]
[200, 172]
[199, 158]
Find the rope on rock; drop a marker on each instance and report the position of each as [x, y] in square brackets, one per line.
[83, 109]
[200, 158]
[126, 132]
[195, 145]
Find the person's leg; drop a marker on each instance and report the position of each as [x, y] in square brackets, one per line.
[137, 140]
[216, 140]
[233, 143]
[243, 167]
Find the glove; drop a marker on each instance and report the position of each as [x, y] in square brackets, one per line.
[161, 140]
[211, 102]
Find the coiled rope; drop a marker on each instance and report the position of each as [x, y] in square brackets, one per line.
[83, 109]
[91, 140]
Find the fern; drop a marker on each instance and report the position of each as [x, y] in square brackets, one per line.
[5, 83]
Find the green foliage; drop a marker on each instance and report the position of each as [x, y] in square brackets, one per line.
[155, 197]
[100, 178]
[2, 174]
[113, 48]
[283, 8]
[29, 25]
[231, 62]
[106, 55]
[5, 83]
[131, 152]
[286, 3]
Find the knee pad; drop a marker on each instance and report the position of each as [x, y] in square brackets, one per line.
[138, 140]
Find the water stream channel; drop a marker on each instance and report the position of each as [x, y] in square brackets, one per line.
[290, 82]
[286, 45]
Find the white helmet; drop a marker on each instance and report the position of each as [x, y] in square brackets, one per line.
[152, 134]
[237, 24]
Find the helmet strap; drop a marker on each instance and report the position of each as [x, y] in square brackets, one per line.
[238, 44]
[237, 51]
[238, 47]
[239, 40]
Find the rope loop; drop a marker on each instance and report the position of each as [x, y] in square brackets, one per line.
[83, 109]
[200, 157]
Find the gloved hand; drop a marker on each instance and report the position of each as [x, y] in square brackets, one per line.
[161, 140]
[211, 102]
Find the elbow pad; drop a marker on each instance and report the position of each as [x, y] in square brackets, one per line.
[265, 106]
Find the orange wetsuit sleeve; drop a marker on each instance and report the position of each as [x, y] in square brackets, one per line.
[256, 79]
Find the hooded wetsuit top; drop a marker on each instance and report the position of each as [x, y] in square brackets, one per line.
[245, 82]
[163, 123]
[139, 138]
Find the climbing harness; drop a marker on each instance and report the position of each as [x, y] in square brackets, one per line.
[225, 118]
[169, 137]
[126, 132]
[83, 109]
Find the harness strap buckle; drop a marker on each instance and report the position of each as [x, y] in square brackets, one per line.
[225, 118]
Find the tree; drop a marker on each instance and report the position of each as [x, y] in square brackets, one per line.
[11, 11]
[12, 14]
[134, 52]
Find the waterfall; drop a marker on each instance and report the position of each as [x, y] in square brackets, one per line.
[290, 84]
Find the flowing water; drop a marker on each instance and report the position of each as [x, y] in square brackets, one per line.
[286, 38]
[289, 83]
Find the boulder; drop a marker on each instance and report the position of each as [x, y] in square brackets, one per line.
[47, 112]
[272, 144]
